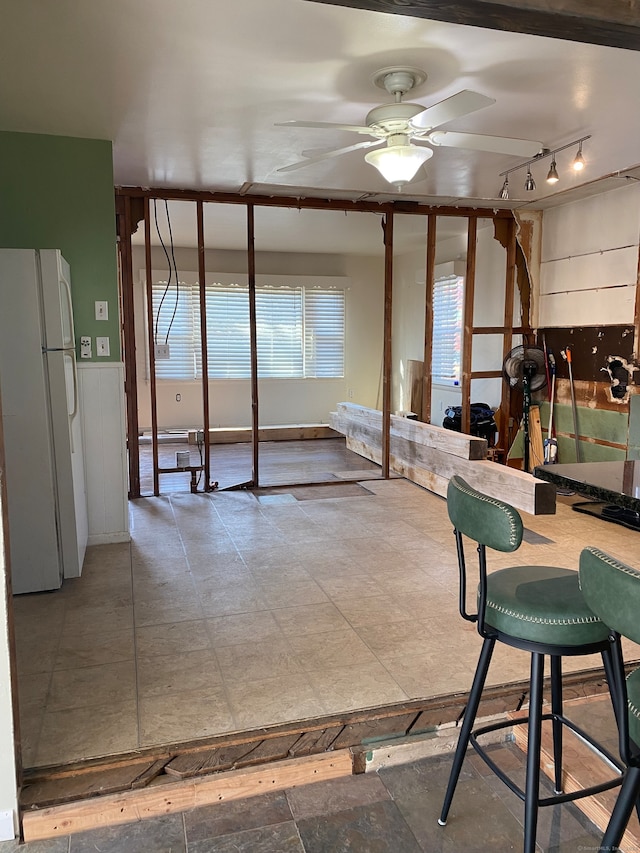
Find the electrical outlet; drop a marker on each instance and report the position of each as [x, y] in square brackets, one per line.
[102, 310]
[102, 346]
[85, 347]
[162, 351]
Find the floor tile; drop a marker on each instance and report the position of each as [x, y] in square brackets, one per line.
[163, 675]
[155, 835]
[184, 716]
[359, 686]
[172, 638]
[236, 815]
[282, 838]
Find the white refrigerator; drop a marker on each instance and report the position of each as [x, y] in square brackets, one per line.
[46, 497]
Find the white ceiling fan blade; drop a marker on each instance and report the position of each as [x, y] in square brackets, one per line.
[480, 142]
[327, 155]
[458, 105]
[320, 152]
[353, 128]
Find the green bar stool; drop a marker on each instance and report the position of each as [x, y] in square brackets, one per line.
[541, 610]
[612, 590]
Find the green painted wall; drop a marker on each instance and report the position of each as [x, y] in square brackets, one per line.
[56, 192]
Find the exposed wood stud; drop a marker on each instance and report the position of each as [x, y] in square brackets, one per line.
[467, 323]
[203, 343]
[152, 350]
[432, 220]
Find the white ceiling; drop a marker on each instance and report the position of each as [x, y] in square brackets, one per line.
[190, 92]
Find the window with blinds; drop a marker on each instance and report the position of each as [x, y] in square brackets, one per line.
[300, 331]
[446, 353]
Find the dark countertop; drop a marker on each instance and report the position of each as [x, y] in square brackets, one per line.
[614, 482]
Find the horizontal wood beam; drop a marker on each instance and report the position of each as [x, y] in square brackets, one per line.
[405, 207]
[613, 23]
[429, 456]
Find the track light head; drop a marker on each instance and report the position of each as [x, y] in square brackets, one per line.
[504, 192]
[578, 161]
[552, 174]
[529, 184]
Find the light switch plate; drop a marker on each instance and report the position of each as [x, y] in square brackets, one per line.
[85, 347]
[102, 310]
[102, 346]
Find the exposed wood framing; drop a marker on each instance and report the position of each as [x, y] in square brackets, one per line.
[136, 201]
[152, 348]
[124, 229]
[386, 348]
[613, 23]
[203, 345]
[430, 276]
[253, 334]
[467, 323]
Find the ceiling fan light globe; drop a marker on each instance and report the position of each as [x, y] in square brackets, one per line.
[398, 164]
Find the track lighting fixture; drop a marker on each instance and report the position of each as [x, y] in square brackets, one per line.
[578, 165]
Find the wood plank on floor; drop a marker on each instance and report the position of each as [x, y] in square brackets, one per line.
[581, 769]
[174, 797]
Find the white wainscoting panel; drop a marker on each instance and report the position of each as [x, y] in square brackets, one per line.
[101, 391]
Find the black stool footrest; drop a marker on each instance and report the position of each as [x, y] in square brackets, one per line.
[597, 748]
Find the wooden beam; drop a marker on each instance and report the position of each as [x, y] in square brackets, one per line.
[386, 361]
[204, 355]
[124, 220]
[613, 23]
[309, 203]
[425, 414]
[423, 454]
[253, 334]
[173, 797]
[152, 348]
[467, 323]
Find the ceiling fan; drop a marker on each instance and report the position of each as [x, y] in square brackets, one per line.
[398, 125]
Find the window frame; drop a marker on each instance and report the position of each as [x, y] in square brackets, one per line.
[298, 286]
[447, 337]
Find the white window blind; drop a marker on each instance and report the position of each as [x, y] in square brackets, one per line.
[446, 352]
[300, 331]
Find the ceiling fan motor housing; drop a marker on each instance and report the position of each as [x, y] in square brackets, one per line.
[393, 118]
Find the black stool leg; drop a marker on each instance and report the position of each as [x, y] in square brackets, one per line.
[532, 783]
[610, 673]
[467, 724]
[627, 799]
[556, 709]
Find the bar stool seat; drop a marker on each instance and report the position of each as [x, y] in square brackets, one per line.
[540, 609]
[541, 604]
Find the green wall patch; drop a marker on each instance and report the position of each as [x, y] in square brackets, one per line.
[57, 193]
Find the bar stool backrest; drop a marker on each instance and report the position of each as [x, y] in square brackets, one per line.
[612, 591]
[486, 520]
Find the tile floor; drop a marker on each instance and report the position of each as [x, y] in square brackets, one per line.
[230, 611]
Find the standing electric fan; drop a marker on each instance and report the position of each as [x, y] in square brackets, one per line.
[524, 369]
